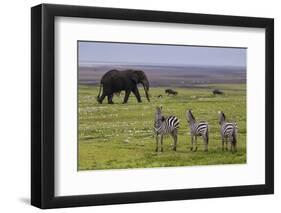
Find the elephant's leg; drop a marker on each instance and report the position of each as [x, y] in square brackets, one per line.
[137, 94]
[127, 94]
[109, 98]
[100, 99]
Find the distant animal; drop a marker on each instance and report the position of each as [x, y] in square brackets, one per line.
[171, 92]
[197, 129]
[116, 81]
[217, 92]
[228, 132]
[159, 96]
[165, 125]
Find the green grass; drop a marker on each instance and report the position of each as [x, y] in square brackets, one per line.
[121, 135]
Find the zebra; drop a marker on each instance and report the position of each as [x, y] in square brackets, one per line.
[197, 129]
[228, 132]
[163, 126]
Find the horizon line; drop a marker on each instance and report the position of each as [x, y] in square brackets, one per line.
[158, 64]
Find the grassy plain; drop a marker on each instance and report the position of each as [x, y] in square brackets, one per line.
[121, 135]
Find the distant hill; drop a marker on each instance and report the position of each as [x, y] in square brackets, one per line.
[167, 75]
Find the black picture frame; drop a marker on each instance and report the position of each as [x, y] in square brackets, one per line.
[43, 105]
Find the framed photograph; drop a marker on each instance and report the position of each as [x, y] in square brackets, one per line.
[139, 106]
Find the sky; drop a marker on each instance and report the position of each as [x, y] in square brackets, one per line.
[155, 54]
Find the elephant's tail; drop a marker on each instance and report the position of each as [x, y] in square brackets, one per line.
[99, 92]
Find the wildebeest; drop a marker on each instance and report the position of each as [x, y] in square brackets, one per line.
[217, 92]
[171, 92]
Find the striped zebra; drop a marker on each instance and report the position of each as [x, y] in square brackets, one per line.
[197, 129]
[163, 126]
[228, 133]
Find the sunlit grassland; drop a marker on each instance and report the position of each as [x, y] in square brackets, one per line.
[121, 135]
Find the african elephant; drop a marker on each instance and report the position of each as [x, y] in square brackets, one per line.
[115, 81]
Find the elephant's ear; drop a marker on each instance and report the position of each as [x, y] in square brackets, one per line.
[134, 77]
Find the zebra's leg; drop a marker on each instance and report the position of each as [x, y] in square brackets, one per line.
[206, 140]
[161, 140]
[235, 142]
[226, 144]
[156, 149]
[175, 137]
[191, 148]
[232, 142]
[235, 147]
[195, 143]
[231, 146]
[222, 143]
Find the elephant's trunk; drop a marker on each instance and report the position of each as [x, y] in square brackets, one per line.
[146, 89]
